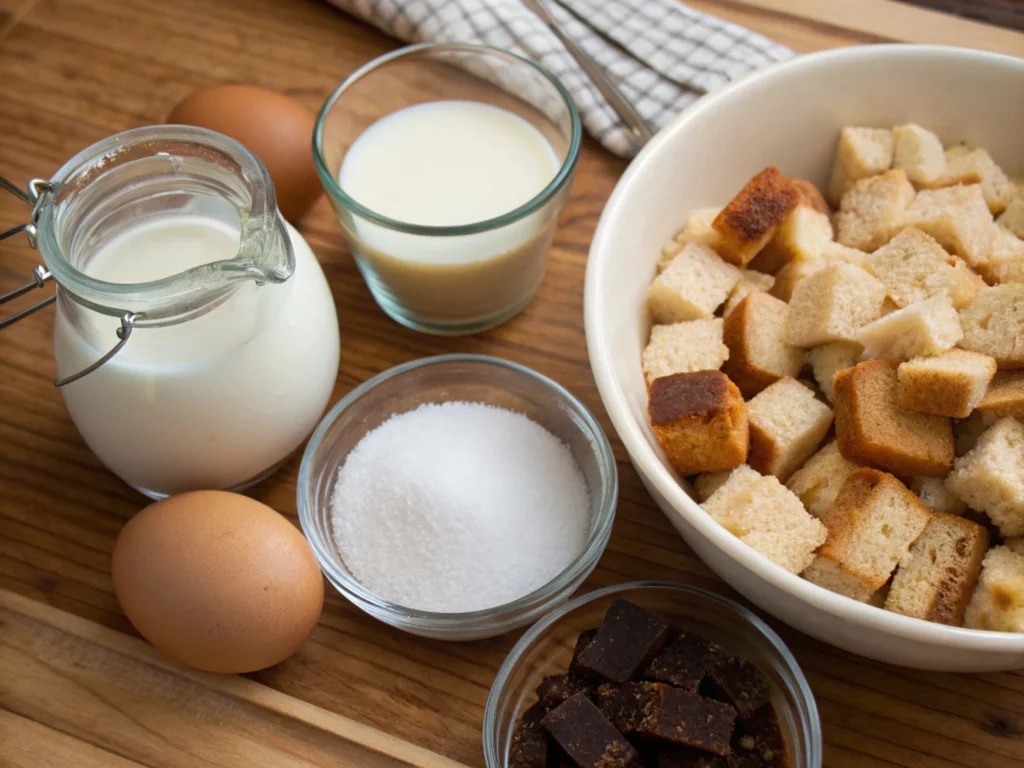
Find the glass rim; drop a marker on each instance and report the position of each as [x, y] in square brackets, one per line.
[565, 170]
[179, 286]
[794, 679]
[510, 612]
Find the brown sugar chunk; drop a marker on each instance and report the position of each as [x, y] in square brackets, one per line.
[757, 741]
[737, 682]
[588, 737]
[751, 219]
[682, 663]
[673, 756]
[873, 429]
[625, 643]
[582, 641]
[659, 711]
[554, 689]
[700, 421]
[531, 745]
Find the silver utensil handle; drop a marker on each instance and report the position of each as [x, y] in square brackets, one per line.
[638, 127]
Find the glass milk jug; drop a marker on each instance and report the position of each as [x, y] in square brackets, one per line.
[195, 337]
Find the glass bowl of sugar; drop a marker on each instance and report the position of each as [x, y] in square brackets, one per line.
[458, 497]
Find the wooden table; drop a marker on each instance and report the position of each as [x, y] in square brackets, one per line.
[77, 687]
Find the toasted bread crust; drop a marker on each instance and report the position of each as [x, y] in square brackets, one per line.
[750, 219]
[873, 429]
[700, 421]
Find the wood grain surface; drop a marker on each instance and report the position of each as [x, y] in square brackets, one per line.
[73, 72]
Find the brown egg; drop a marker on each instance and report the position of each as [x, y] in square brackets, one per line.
[218, 581]
[278, 130]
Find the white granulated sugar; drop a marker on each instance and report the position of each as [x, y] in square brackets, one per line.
[458, 507]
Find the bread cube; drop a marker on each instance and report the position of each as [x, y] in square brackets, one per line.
[975, 166]
[1013, 217]
[1005, 261]
[929, 327]
[832, 304]
[699, 420]
[751, 218]
[693, 345]
[873, 429]
[697, 229]
[709, 482]
[800, 236]
[764, 514]
[993, 324]
[787, 424]
[818, 481]
[809, 195]
[872, 210]
[958, 219]
[913, 266]
[790, 275]
[861, 152]
[990, 477]
[694, 285]
[831, 251]
[998, 601]
[1004, 397]
[950, 384]
[829, 359]
[669, 251]
[919, 152]
[871, 525]
[936, 578]
[755, 333]
[750, 280]
[934, 494]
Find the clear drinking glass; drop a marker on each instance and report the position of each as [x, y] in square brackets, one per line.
[410, 268]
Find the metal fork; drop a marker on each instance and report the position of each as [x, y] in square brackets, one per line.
[640, 131]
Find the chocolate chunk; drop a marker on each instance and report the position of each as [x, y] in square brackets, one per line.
[683, 662]
[757, 741]
[531, 744]
[624, 644]
[672, 756]
[587, 736]
[581, 642]
[659, 711]
[555, 689]
[737, 682]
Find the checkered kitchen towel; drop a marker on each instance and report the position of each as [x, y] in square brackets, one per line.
[660, 53]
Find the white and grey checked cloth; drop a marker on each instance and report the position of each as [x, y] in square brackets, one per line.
[660, 53]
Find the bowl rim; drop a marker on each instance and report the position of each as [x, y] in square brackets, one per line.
[510, 613]
[630, 432]
[814, 741]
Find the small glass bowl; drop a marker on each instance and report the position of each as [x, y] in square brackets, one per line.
[472, 378]
[547, 648]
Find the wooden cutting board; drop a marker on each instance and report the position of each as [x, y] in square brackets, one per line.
[78, 689]
[76, 693]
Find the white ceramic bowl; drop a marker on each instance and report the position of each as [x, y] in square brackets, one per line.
[788, 116]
